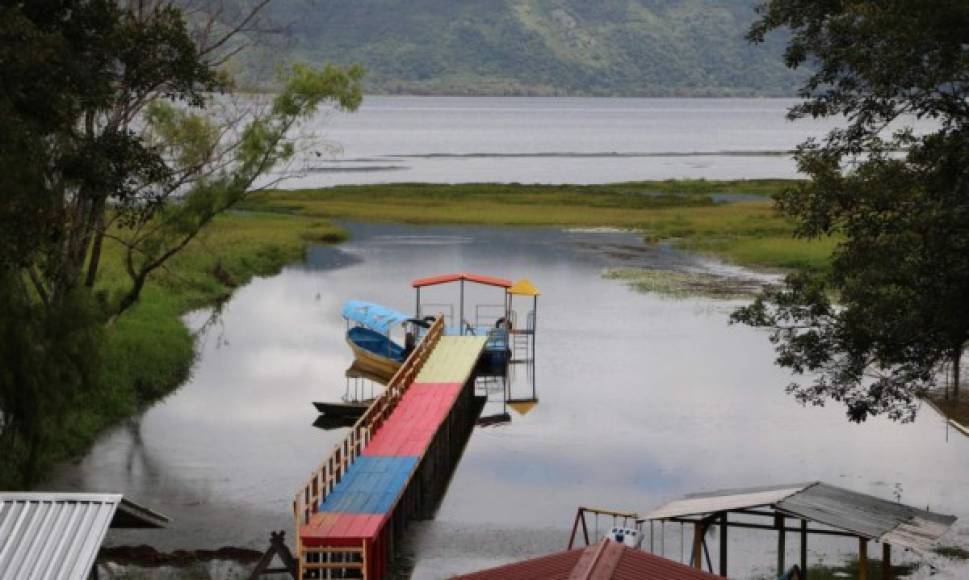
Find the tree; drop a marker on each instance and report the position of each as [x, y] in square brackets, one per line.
[115, 124]
[889, 318]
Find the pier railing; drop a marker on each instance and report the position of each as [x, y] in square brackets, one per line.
[329, 473]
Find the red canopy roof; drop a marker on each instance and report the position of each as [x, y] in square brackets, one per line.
[445, 278]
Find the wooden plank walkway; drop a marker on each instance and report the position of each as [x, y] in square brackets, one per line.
[346, 511]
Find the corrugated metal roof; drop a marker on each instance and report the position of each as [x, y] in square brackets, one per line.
[726, 499]
[552, 567]
[58, 535]
[868, 516]
[857, 513]
[606, 559]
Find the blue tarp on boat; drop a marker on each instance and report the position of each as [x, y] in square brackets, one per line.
[373, 316]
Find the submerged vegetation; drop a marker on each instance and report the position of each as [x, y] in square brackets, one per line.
[681, 284]
[747, 232]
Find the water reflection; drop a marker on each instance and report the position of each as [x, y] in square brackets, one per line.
[643, 399]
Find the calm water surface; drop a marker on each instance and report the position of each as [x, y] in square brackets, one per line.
[552, 140]
[642, 399]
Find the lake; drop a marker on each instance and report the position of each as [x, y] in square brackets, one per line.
[552, 140]
[641, 399]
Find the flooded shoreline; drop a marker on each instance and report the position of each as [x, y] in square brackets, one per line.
[641, 399]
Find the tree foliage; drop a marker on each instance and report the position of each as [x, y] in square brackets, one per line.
[116, 124]
[899, 200]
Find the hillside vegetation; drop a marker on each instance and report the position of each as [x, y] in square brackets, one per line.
[547, 47]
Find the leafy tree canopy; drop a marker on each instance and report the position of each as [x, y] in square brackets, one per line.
[883, 324]
[115, 125]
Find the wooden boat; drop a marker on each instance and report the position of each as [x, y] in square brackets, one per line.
[358, 372]
[348, 409]
[330, 422]
[369, 328]
[374, 352]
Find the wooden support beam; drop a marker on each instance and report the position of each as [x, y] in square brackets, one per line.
[698, 532]
[862, 559]
[804, 558]
[769, 528]
[575, 526]
[887, 562]
[723, 544]
[781, 543]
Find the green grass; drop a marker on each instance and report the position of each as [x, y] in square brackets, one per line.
[750, 233]
[148, 352]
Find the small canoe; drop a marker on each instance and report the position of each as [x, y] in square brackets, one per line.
[343, 409]
[374, 352]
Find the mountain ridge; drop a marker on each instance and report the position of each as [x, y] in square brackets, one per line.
[540, 47]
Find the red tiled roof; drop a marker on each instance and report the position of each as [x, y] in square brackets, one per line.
[445, 278]
[606, 559]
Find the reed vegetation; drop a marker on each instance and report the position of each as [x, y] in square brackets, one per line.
[748, 232]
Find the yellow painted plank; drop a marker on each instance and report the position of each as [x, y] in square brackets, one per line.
[452, 360]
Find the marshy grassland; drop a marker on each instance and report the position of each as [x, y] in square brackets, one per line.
[747, 231]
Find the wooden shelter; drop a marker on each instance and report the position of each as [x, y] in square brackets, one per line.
[793, 508]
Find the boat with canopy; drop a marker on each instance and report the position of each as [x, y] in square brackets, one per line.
[369, 333]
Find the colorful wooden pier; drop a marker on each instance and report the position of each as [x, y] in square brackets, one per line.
[393, 466]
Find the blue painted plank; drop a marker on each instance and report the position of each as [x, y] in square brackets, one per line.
[371, 485]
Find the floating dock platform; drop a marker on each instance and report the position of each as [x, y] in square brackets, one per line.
[393, 466]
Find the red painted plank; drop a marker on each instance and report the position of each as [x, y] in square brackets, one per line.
[339, 529]
[412, 425]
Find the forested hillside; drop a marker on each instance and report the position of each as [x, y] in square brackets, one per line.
[554, 47]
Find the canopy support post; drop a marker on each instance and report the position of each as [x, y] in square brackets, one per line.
[461, 315]
[862, 558]
[698, 533]
[781, 543]
[887, 561]
[804, 540]
[723, 544]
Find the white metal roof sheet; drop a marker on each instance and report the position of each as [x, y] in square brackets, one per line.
[58, 535]
[725, 500]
